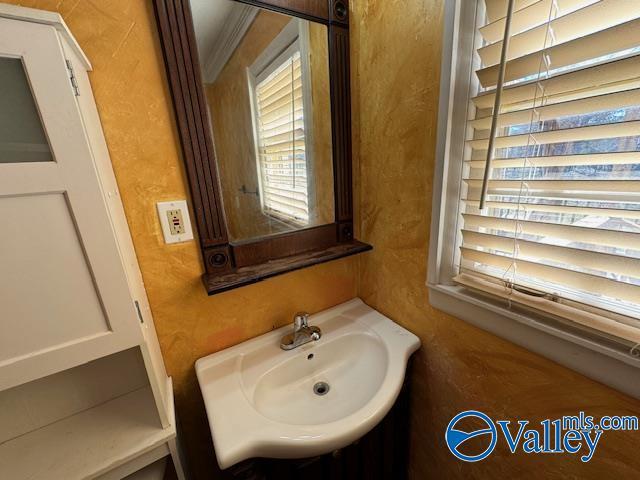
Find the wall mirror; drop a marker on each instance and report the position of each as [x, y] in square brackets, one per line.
[266, 82]
[261, 93]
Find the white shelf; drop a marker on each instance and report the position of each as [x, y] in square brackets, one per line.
[87, 444]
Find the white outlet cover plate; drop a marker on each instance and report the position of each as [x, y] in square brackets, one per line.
[163, 208]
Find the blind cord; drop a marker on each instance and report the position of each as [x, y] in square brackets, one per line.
[531, 167]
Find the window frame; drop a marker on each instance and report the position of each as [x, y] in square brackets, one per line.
[607, 360]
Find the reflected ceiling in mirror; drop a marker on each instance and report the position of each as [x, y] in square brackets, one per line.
[266, 79]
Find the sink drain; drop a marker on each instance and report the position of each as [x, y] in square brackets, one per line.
[321, 388]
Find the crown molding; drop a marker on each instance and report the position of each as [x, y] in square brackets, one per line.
[236, 25]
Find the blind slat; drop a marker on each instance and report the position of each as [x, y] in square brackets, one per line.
[276, 156]
[618, 190]
[283, 128]
[291, 205]
[282, 210]
[595, 236]
[563, 310]
[286, 70]
[294, 196]
[287, 93]
[531, 208]
[290, 136]
[589, 80]
[285, 97]
[610, 130]
[599, 44]
[497, 9]
[287, 147]
[276, 201]
[525, 18]
[569, 257]
[626, 187]
[577, 280]
[283, 113]
[567, 26]
[610, 101]
[281, 80]
[617, 158]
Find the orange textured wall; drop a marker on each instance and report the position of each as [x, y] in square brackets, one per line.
[395, 66]
[120, 38]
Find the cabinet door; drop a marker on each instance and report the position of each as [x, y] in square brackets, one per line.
[63, 289]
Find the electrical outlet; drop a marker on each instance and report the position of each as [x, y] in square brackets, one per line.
[175, 221]
[176, 224]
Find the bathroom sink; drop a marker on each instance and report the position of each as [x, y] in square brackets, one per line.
[263, 401]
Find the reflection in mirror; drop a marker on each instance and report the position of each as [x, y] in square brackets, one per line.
[266, 78]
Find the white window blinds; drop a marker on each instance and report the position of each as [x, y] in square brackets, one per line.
[562, 210]
[281, 140]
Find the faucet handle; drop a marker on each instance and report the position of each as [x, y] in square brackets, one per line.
[301, 320]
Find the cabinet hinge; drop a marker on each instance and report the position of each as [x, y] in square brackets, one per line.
[138, 310]
[72, 78]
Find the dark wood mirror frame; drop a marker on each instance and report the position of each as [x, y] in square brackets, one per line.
[231, 265]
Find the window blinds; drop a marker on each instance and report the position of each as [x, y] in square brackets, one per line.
[562, 210]
[281, 142]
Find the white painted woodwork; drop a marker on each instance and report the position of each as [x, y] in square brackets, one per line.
[36, 404]
[64, 291]
[46, 281]
[154, 471]
[138, 466]
[69, 282]
[89, 443]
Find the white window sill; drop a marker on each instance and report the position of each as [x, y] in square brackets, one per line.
[606, 362]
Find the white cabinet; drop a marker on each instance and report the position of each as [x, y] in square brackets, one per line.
[63, 289]
[70, 287]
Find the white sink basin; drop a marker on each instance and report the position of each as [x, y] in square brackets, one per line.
[261, 401]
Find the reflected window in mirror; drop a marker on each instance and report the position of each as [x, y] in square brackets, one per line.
[282, 118]
[266, 81]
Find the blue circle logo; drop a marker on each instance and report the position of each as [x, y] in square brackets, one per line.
[456, 438]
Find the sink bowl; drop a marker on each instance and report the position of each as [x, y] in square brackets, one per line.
[262, 401]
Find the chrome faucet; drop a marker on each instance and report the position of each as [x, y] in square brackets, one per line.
[302, 332]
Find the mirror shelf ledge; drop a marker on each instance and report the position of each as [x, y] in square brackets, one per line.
[215, 284]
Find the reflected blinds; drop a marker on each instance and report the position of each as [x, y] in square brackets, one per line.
[562, 211]
[281, 141]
